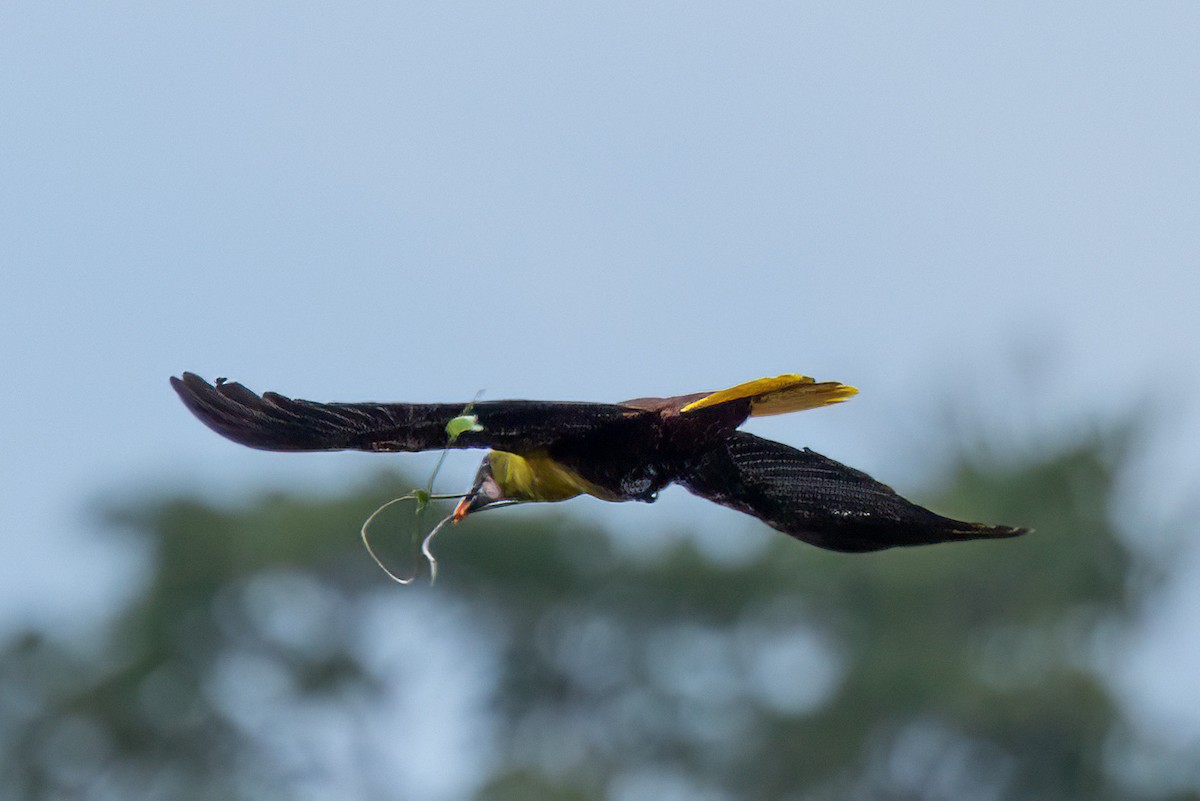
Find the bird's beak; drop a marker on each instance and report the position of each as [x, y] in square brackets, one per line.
[465, 507]
[484, 493]
[472, 503]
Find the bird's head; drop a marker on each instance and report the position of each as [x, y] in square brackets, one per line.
[505, 478]
[485, 491]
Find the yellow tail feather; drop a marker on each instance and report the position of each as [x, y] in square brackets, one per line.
[779, 395]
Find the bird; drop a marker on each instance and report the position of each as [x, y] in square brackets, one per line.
[548, 451]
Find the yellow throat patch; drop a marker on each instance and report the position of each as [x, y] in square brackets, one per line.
[537, 477]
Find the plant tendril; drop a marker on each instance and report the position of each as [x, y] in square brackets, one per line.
[456, 427]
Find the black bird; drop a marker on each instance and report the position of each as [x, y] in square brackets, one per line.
[552, 451]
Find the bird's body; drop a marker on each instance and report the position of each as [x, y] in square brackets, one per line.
[552, 451]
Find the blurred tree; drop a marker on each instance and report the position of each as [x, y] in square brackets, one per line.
[266, 657]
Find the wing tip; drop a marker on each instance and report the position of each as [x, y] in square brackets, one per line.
[190, 388]
[191, 384]
[228, 408]
[988, 532]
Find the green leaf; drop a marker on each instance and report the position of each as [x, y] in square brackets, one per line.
[462, 424]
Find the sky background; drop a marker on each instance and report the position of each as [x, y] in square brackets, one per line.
[970, 212]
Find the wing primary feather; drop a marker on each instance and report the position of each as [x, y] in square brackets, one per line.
[819, 500]
[276, 422]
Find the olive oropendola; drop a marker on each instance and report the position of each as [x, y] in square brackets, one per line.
[552, 451]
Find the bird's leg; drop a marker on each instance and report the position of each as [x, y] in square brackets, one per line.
[644, 485]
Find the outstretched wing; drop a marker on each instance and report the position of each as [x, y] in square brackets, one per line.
[818, 500]
[273, 422]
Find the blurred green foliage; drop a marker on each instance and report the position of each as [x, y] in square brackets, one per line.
[264, 642]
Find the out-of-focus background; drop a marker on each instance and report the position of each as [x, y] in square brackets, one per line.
[985, 217]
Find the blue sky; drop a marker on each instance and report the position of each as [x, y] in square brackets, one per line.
[990, 206]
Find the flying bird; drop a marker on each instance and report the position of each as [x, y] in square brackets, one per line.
[629, 451]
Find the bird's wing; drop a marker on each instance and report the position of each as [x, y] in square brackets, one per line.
[778, 395]
[818, 500]
[276, 423]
